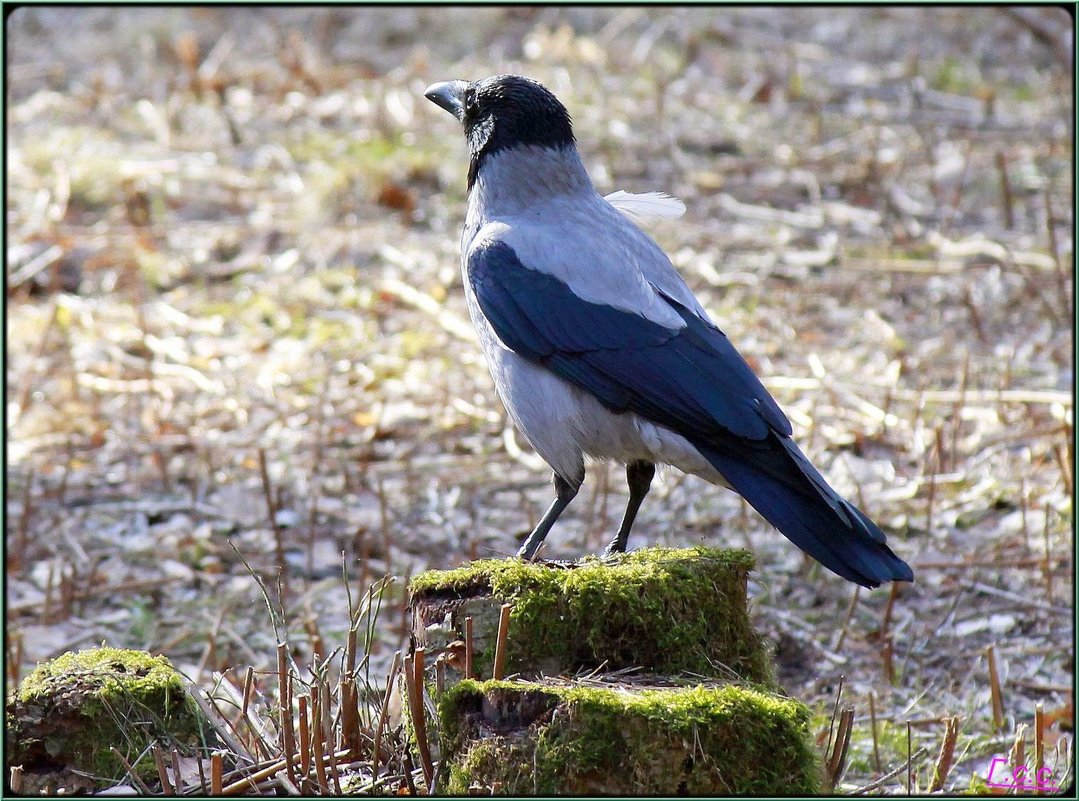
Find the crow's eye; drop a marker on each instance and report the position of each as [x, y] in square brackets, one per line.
[470, 101]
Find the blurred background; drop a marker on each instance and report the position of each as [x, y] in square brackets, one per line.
[237, 341]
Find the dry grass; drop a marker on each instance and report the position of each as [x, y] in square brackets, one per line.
[235, 322]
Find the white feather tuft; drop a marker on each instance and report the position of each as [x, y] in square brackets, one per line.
[647, 206]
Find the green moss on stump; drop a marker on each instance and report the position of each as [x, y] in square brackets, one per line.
[547, 739]
[664, 609]
[69, 711]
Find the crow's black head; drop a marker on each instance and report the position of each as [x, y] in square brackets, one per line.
[502, 112]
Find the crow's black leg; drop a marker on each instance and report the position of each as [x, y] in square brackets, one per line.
[639, 475]
[564, 493]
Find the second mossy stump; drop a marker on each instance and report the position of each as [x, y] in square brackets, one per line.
[68, 716]
[559, 738]
[702, 716]
[664, 610]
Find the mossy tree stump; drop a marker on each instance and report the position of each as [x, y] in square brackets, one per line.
[67, 713]
[661, 609]
[701, 716]
[532, 738]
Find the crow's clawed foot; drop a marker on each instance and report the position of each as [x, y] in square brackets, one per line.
[536, 559]
[558, 564]
[613, 550]
[523, 553]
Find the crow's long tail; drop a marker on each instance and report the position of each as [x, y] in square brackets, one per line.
[779, 482]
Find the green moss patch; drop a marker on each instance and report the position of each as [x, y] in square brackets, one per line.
[663, 609]
[529, 738]
[68, 712]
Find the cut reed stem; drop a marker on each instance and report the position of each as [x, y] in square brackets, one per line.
[1018, 755]
[284, 702]
[947, 754]
[1039, 741]
[414, 684]
[305, 738]
[873, 723]
[837, 760]
[500, 642]
[910, 767]
[217, 773]
[995, 692]
[162, 773]
[468, 648]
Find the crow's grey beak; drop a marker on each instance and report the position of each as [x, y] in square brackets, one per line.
[448, 95]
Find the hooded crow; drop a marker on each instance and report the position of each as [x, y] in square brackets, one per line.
[597, 347]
